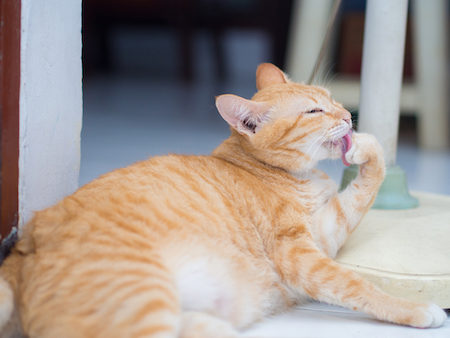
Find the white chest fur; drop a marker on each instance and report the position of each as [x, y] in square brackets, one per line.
[317, 191]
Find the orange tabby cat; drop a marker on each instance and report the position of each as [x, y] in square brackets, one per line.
[204, 246]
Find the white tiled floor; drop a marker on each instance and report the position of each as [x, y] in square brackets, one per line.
[130, 116]
[321, 320]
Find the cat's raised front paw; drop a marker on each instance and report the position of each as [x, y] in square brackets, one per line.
[364, 147]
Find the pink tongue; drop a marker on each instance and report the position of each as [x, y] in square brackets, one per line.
[346, 145]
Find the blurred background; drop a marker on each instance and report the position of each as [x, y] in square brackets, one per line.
[152, 69]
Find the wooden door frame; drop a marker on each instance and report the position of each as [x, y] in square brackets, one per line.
[9, 114]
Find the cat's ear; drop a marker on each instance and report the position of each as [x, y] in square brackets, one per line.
[245, 116]
[268, 74]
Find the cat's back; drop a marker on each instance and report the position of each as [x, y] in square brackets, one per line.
[176, 180]
[156, 175]
[153, 198]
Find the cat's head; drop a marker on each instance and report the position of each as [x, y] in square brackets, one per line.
[287, 124]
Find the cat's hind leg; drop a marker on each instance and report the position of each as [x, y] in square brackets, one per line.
[305, 268]
[10, 326]
[329, 282]
[203, 325]
[6, 303]
[127, 295]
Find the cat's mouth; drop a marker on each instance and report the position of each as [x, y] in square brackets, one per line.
[346, 145]
[343, 144]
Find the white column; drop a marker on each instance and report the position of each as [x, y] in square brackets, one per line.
[309, 25]
[431, 67]
[50, 103]
[381, 75]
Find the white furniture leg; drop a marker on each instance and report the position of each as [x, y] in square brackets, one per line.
[381, 72]
[431, 71]
[381, 85]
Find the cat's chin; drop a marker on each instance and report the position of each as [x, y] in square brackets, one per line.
[334, 149]
[338, 148]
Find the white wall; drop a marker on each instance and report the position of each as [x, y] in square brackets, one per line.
[50, 103]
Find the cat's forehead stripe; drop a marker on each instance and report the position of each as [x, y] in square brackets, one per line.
[313, 99]
[281, 91]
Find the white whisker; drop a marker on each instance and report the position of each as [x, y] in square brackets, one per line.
[329, 82]
[317, 144]
[319, 139]
[325, 78]
[321, 72]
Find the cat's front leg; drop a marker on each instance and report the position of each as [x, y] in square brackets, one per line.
[359, 195]
[367, 153]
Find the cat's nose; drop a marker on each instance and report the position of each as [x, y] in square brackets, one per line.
[346, 116]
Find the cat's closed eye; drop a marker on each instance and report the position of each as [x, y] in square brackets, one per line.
[312, 111]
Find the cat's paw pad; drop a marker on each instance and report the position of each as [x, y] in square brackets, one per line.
[434, 316]
[364, 147]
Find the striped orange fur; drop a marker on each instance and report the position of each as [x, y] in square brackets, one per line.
[204, 246]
